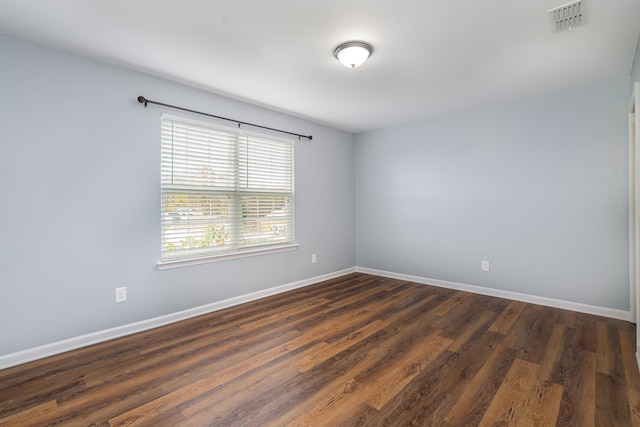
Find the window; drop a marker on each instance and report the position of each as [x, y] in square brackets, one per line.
[224, 191]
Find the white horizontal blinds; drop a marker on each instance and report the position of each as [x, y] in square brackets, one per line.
[198, 187]
[266, 191]
[195, 223]
[265, 165]
[222, 191]
[197, 156]
[266, 219]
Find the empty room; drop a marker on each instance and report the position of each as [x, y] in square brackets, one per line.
[299, 213]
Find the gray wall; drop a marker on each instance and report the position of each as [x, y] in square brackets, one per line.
[635, 71]
[538, 187]
[80, 200]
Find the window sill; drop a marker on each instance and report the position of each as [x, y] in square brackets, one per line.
[166, 265]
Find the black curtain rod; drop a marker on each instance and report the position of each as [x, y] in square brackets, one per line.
[145, 101]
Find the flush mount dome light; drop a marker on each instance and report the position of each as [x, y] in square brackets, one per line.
[353, 54]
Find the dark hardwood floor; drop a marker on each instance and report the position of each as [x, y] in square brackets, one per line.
[359, 350]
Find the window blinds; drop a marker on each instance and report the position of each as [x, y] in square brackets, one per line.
[223, 191]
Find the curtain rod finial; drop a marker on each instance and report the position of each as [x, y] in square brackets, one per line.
[142, 100]
[310, 137]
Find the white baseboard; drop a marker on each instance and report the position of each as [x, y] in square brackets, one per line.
[549, 302]
[47, 350]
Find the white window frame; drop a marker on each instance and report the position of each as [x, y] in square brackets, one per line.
[235, 249]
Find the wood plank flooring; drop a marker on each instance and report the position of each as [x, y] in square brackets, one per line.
[358, 350]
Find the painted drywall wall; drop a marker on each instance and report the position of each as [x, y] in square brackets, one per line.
[538, 187]
[79, 200]
[635, 70]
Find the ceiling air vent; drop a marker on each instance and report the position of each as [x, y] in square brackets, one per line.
[569, 16]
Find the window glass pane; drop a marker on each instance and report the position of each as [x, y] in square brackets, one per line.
[266, 219]
[195, 221]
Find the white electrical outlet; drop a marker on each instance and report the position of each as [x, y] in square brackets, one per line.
[121, 294]
[313, 258]
[485, 265]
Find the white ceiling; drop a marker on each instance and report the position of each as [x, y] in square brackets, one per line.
[432, 57]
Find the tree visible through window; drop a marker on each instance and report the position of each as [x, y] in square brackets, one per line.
[223, 191]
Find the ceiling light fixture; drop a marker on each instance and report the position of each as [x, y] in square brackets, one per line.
[353, 54]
